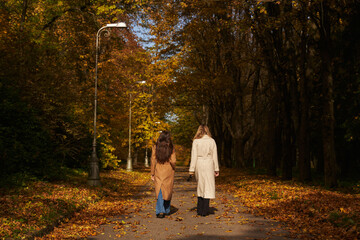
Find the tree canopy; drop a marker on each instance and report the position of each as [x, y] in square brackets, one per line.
[276, 81]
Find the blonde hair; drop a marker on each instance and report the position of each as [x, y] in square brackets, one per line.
[202, 130]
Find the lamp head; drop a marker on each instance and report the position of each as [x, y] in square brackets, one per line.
[119, 25]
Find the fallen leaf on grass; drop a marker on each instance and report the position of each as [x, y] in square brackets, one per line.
[312, 212]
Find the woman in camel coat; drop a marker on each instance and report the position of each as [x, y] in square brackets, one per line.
[204, 163]
[163, 161]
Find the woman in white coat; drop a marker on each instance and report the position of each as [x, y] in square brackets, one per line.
[204, 164]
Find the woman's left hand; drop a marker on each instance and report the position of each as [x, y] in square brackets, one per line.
[216, 174]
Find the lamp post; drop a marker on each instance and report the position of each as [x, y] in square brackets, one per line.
[146, 158]
[94, 177]
[146, 163]
[129, 159]
[129, 167]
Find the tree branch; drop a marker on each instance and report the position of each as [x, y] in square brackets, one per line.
[53, 20]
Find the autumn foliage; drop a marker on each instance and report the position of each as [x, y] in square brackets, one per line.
[276, 81]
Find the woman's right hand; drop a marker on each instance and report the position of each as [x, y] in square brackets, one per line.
[152, 177]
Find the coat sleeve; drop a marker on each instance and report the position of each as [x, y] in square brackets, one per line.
[215, 157]
[193, 157]
[153, 160]
[173, 159]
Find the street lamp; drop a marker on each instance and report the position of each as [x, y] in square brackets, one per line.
[146, 158]
[146, 163]
[94, 177]
[129, 159]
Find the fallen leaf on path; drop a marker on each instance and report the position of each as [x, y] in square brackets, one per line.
[311, 211]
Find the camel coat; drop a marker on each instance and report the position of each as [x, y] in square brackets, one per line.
[204, 162]
[164, 175]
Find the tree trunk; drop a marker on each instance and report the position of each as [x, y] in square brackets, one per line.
[216, 129]
[330, 165]
[238, 153]
[205, 115]
[227, 150]
[287, 141]
[289, 96]
[303, 139]
[273, 141]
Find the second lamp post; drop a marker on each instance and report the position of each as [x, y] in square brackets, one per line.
[129, 159]
[129, 167]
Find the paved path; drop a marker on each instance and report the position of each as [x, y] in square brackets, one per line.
[227, 221]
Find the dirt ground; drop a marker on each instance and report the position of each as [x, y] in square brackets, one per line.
[228, 219]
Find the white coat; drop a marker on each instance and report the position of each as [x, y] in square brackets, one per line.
[204, 162]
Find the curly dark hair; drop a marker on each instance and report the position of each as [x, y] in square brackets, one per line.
[164, 147]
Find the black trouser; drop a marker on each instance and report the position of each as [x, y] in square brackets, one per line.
[203, 206]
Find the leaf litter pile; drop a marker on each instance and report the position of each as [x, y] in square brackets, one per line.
[310, 212]
[80, 209]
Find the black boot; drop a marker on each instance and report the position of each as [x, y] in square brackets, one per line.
[160, 215]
